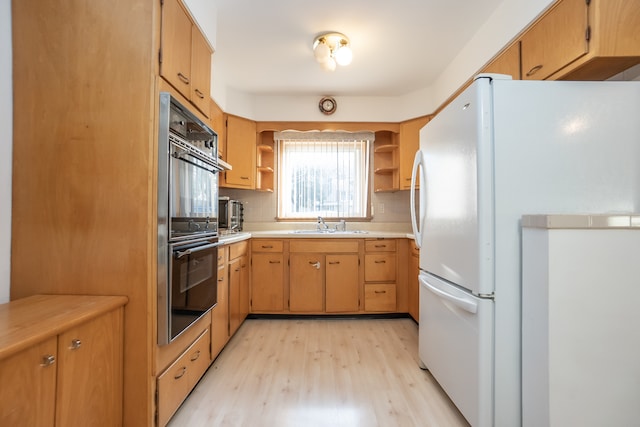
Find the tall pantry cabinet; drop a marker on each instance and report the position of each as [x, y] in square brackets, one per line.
[85, 82]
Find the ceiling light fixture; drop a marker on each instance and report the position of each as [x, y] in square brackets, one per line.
[331, 49]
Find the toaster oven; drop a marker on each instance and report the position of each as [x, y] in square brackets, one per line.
[230, 214]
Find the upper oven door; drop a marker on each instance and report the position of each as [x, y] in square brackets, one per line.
[193, 192]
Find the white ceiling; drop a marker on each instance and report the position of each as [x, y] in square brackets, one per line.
[264, 47]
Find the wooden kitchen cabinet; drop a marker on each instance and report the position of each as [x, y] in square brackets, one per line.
[267, 276]
[28, 392]
[177, 381]
[241, 153]
[61, 361]
[507, 62]
[324, 276]
[558, 39]
[185, 55]
[238, 285]
[380, 274]
[220, 313]
[342, 290]
[409, 145]
[218, 124]
[582, 40]
[386, 162]
[413, 283]
[306, 287]
[265, 162]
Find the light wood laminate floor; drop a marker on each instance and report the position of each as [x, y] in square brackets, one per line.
[319, 372]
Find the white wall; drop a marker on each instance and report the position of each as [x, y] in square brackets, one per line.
[6, 125]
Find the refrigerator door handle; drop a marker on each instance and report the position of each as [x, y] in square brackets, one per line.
[418, 162]
[466, 304]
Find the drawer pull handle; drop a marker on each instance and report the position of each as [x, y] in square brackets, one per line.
[267, 246]
[237, 269]
[380, 246]
[221, 279]
[274, 262]
[184, 78]
[534, 70]
[48, 360]
[75, 344]
[334, 262]
[380, 292]
[380, 262]
[244, 177]
[195, 356]
[199, 94]
[180, 374]
[315, 264]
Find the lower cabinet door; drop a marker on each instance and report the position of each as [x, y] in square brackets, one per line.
[28, 386]
[306, 282]
[90, 373]
[342, 287]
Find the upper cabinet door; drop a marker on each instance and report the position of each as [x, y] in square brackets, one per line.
[176, 47]
[558, 39]
[508, 62]
[241, 153]
[200, 71]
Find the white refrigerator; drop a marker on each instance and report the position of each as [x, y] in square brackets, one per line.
[501, 149]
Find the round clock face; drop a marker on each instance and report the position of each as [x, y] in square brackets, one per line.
[328, 105]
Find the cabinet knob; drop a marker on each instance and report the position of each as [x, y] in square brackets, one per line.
[48, 360]
[75, 344]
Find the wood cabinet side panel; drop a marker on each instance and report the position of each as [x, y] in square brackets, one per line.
[409, 145]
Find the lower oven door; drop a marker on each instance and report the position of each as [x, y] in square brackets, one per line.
[192, 288]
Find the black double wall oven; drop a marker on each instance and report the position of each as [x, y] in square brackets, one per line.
[187, 218]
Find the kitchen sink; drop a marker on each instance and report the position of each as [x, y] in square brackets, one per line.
[328, 231]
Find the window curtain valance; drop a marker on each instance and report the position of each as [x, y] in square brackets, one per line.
[325, 135]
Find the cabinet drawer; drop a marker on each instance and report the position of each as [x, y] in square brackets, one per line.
[222, 255]
[238, 249]
[324, 245]
[381, 297]
[380, 267]
[266, 245]
[177, 380]
[380, 245]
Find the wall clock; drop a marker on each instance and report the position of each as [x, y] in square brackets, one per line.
[328, 105]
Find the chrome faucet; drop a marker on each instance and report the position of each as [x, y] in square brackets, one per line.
[321, 224]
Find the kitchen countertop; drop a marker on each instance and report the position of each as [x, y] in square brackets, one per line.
[227, 239]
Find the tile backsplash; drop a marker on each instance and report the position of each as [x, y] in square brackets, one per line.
[260, 207]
